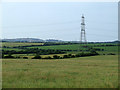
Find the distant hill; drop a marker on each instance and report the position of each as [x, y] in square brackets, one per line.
[29, 40]
[23, 40]
[116, 41]
[48, 40]
[52, 40]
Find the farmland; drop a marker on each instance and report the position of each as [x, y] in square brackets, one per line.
[14, 44]
[99, 71]
[84, 72]
[103, 48]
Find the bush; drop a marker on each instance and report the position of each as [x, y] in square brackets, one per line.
[65, 56]
[48, 57]
[80, 54]
[9, 56]
[17, 57]
[72, 56]
[56, 57]
[61, 58]
[77, 55]
[93, 52]
[2, 55]
[86, 54]
[111, 54]
[37, 57]
[69, 55]
[25, 57]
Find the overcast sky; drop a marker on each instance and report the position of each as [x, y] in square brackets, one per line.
[60, 20]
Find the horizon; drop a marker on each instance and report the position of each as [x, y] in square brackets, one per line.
[60, 20]
[59, 39]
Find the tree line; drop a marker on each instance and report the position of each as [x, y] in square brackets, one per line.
[33, 50]
[37, 56]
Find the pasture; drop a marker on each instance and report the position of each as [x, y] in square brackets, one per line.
[15, 44]
[79, 72]
[73, 47]
[83, 72]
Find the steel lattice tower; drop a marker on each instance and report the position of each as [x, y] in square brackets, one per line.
[83, 34]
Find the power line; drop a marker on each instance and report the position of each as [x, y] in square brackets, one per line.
[57, 23]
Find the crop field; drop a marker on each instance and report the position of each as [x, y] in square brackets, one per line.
[107, 48]
[60, 47]
[15, 44]
[16, 49]
[84, 72]
[71, 47]
[22, 71]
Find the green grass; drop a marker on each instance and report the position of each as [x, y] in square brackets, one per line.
[16, 49]
[109, 49]
[70, 47]
[15, 44]
[85, 72]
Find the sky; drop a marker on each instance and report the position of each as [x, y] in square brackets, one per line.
[60, 20]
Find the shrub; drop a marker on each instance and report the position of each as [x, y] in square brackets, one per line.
[25, 57]
[17, 57]
[56, 57]
[2, 55]
[111, 54]
[80, 54]
[72, 56]
[93, 52]
[48, 57]
[61, 58]
[77, 55]
[37, 56]
[8, 56]
[65, 56]
[69, 55]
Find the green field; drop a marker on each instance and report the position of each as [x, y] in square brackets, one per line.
[15, 44]
[16, 49]
[107, 49]
[84, 72]
[73, 47]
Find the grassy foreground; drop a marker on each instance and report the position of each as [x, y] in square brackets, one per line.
[83, 72]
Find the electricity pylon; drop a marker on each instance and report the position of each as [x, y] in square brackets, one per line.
[83, 34]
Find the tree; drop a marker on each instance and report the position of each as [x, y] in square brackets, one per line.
[93, 52]
[37, 56]
[69, 55]
[25, 57]
[48, 57]
[56, 57]
[2, 55]
[9, 56]
[65, 56]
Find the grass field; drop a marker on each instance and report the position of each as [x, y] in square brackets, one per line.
[16, 49]
[84, 72]
[107, 49]
[15, 44]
